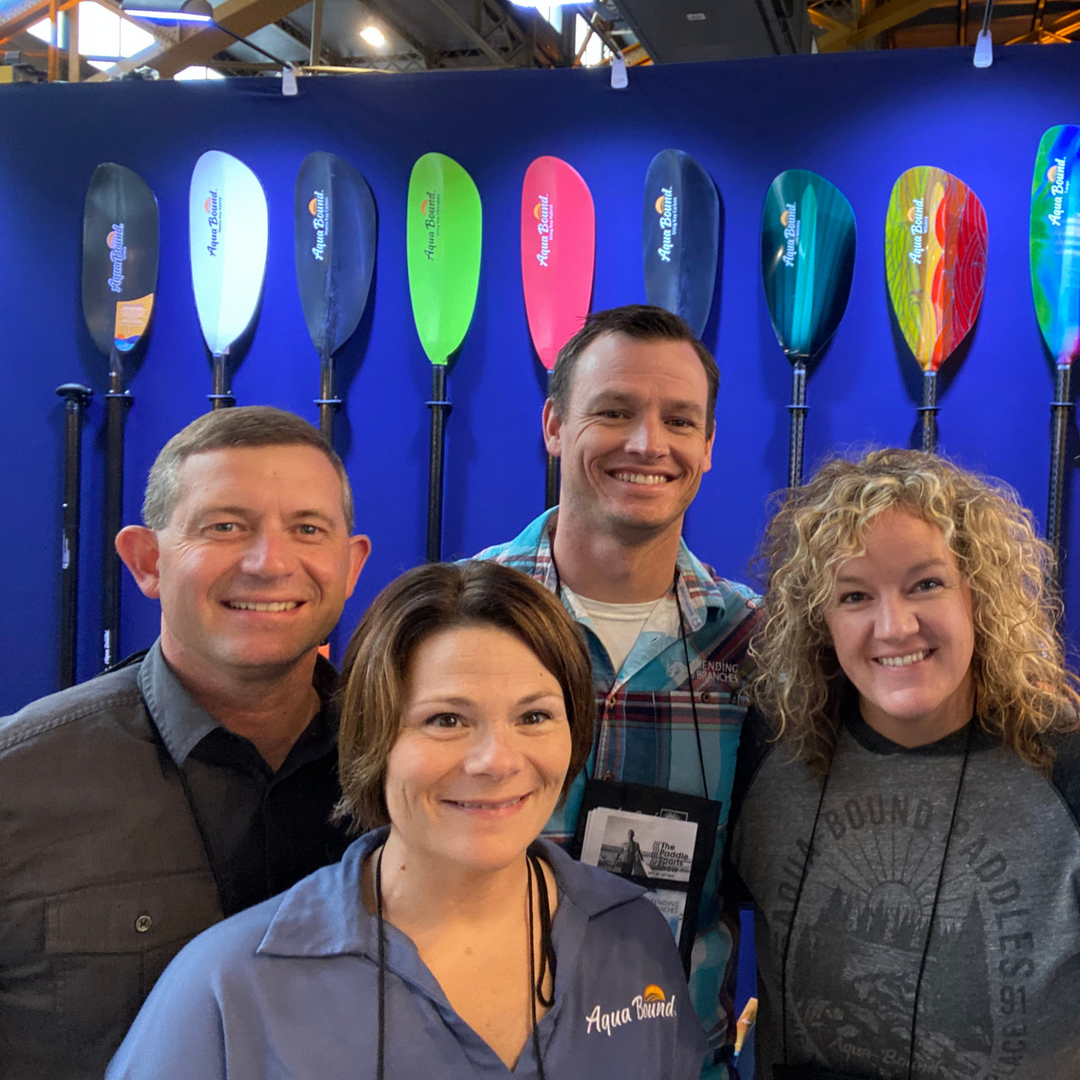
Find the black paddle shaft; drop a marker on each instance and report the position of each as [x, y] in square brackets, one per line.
[928, 411]
[77, 398]
[440, 409]
[117, 402]
[798, 410]
[327, 401]
[1059, 411]
[551, 483]
[222, 397]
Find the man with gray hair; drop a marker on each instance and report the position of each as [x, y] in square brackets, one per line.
[197, 778]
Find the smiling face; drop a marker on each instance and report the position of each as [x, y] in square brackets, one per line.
[632, 443]
[901, 623]
[482, 752]
[254, 565]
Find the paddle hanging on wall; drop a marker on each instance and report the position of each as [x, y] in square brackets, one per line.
[443, 234]
[335, 229]
[558, 252]
[119, 278]
[1055, 283]
[807, 260]
[228, 229]
[680, 237]
[935, 262]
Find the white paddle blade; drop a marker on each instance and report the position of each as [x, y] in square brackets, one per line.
[228, 227]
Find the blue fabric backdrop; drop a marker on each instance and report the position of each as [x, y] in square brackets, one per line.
[859, 119]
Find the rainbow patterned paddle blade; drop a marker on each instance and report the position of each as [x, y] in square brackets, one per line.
[558, 249]
[935, 261]
[1055, 241]
[807, 260]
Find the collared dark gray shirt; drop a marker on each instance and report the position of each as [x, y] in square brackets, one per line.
[129, 822]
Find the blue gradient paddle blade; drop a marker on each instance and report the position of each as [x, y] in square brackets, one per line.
[807, 260]
[680, 237]
[335, 231]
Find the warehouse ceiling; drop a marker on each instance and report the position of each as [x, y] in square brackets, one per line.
[325, 36]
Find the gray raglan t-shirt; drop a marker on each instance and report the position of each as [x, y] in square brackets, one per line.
[1000, 994]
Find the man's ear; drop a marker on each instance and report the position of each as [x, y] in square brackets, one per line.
[706, 464]
[359, 550]
[138, 547]
[552, 429]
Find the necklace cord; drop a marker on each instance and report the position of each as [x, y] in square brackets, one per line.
[381, 1058]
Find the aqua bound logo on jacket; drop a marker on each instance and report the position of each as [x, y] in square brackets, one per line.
[117, 255]
[212, 206]
[1059, 188]
[651, 1004]
[544, 213]
[919, 228]
[791, 234]
[430, 211]
[320, 217]
[667, 206]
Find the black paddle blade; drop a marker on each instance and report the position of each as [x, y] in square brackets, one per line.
[680, 237]
[335, 233]
[120, 257]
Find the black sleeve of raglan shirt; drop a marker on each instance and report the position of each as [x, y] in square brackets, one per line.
[754, 748]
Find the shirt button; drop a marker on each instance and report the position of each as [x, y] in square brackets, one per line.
[706, 697]
[609, 776]
[143, 923]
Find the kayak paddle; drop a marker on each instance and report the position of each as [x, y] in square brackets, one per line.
[558, 251]
[77, 398]
[119, 277]
[443, 233]
[807, 260]
[227, 219]
[680, 237]
[335, 234]
[1055, 282]
[935, 262]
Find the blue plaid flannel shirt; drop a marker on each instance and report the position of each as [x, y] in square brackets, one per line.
[645, 730]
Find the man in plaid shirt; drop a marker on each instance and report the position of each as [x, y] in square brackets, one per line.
[630, 415]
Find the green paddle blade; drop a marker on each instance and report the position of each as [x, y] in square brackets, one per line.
[443, 236]
[935, 261]
[1055, 241]
[807, 259]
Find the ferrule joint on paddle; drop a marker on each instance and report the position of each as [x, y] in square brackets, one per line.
[928, 410]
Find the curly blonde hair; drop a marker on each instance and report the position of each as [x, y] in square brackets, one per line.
[1024, 692]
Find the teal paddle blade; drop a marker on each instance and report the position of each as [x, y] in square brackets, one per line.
[807, 260]
[1055, 241]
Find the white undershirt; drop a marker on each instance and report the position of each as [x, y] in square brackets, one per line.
[619, 625]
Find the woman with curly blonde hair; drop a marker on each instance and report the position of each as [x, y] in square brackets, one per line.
[906, 814]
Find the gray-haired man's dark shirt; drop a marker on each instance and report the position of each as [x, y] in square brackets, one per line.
[130, 821]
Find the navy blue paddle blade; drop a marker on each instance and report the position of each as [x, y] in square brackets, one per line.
[680, 237]
[335, 233]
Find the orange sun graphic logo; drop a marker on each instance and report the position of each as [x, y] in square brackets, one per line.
[1051, 174]
[653, 993]
[423, 207]
[536, 211]
[312, 206]
[660, 205]
[911, 215]
[785, 217]
[111, 239]
[208, 203]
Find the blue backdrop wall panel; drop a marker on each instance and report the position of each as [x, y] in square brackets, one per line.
[859, 120]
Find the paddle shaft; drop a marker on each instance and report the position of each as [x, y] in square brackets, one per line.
[798, 411]
[222, 397]
[77, 397]
[551, 482]
[327, 401]
[928, 411]
[117, 402]
[1059, 412]
[440, 409]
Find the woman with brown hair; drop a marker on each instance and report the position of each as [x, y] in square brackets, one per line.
[907, 804]
[449, 940]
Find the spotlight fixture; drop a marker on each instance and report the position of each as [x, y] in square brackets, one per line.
[373, 36]
[169, 10]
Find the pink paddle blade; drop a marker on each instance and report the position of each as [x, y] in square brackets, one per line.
[558, 249]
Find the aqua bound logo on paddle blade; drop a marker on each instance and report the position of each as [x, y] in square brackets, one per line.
[667, 206]
[544, 213]
[117, 255]
[431, 212]
[320, 220]
[212, 206]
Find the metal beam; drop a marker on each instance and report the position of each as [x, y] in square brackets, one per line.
[414, 43]
[1062, 26]
[875, 21]
[826, 22]
[473, 35]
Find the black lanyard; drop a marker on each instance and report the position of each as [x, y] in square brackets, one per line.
[689, 672]
[811, 1072]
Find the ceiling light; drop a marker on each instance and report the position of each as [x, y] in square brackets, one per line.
[373, 36]
[169, 10]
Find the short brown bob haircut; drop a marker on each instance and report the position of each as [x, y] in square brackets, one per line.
[427, 601]
[250, 426]
[642, 322]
